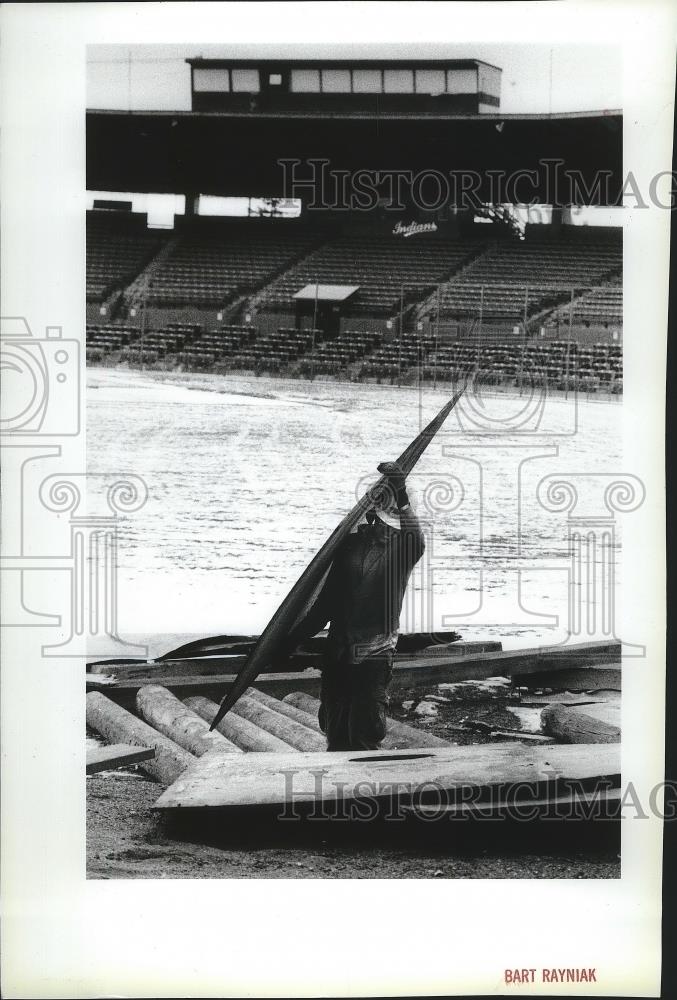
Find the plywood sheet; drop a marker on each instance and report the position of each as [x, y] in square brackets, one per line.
[268, 779]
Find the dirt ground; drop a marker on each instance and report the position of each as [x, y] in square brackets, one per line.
[127, 839]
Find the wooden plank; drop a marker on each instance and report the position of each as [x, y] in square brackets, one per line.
[186, 645]
[232, 660]
[593, 677]
[519, 734]
[116, 755]
[421, 672]
[457, 666]
[264, 779]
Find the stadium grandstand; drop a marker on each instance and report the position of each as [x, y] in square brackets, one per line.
[288, 281]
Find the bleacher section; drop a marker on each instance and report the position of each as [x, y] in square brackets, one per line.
[378, 265]
[275, 351]
[394, 358]
[538, 274]
[118, 246]
[336, 356]
[207, 261]
[211, 346]
[557, 363]
[499, 360]
[108, 338]
[600, 307]
[212, 262]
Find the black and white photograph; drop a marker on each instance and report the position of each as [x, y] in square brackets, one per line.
[355, 328]
[336, 520]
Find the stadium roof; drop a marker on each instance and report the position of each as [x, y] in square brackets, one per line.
[357, 61]
[236, 153]
[495, 116]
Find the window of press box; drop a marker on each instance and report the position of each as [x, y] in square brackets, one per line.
[306, 81]
[336, 81]
[367, 81]
[245, 80]
[398, 81]
[462, 81]
[430, 81]
[211, 80]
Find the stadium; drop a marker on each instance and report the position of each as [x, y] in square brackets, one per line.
[356, 220]
[293, 278]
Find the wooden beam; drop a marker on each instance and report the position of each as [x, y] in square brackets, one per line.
[116, 755]
[594, 677]
[418, 672]
[518, 734]
[217, 664]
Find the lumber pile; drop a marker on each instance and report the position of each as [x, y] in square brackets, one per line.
[582, 667]
[117, 725]
[399, 735]
[161, 709]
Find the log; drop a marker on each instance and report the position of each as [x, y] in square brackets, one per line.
[117, 725]
[399, 735]
[168, 715]
[294, 733]
[117, 755]
[239, 731]
[286, 708]
[570, 726]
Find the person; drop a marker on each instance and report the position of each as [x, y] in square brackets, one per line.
[362, 600]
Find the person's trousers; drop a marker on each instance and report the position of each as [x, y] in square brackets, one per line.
[353, 703]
